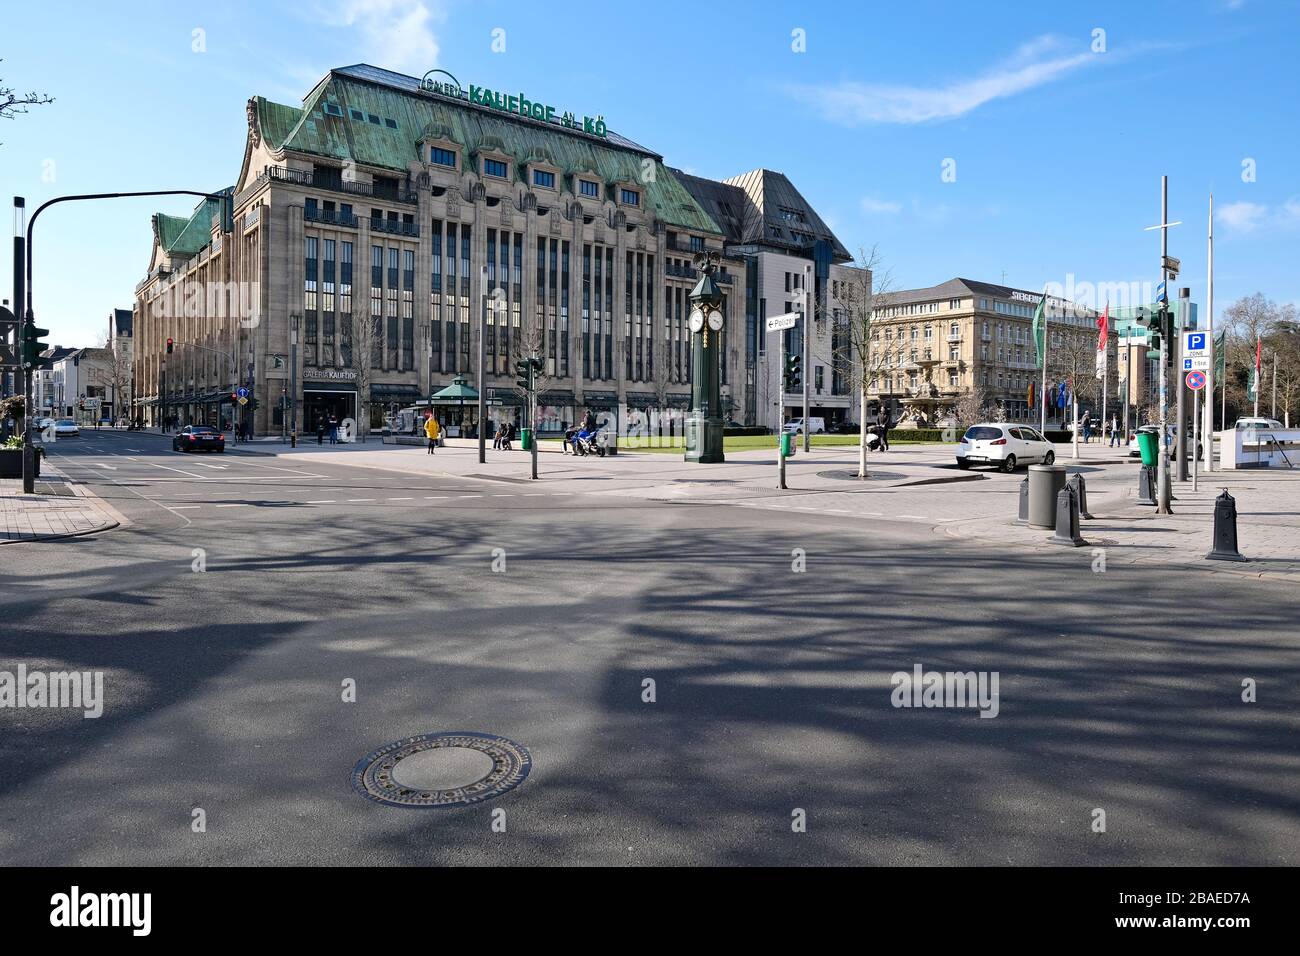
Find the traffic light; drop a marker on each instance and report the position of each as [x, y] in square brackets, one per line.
[524, 369]
[32, 344]
[170, 344]
[528, 369]
[793, 373]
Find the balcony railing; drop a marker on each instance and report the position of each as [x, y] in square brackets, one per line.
[395, 228]
[330, 217]
[306, 177]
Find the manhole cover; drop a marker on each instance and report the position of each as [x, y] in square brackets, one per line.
[441, 770]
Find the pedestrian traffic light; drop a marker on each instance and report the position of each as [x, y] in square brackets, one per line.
[170, 344]
[793, 373]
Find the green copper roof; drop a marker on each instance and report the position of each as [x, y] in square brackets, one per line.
[185, 237]
[343, 138]
[169, 228]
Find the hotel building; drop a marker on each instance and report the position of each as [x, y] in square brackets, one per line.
[935, 344]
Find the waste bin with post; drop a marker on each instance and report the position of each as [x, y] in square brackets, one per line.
[787, 445]
[1045, 483]
[526, 439]
[1148, 445]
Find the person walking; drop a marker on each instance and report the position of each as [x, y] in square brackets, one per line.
[884, 423]
[1114, 431]
[334, 430]
[431, 432]
[1087, 426]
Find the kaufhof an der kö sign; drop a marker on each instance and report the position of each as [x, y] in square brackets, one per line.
[516, 104]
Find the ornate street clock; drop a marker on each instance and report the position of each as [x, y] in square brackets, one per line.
[704, 423]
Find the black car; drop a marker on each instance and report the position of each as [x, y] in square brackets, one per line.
[194, 437]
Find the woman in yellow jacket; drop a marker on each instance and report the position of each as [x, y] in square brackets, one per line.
[431, 432]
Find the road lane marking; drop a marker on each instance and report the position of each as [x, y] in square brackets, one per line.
[182, 471]
[470, 496]
[241, 504]
[401, 499]
[432, 497]
[187, 507]
[511, 495]
[322, 501]
[350, 500]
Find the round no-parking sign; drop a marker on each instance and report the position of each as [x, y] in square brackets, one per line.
[1196, 380]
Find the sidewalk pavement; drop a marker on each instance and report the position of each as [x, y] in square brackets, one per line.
[1268, 524]
[60, 509]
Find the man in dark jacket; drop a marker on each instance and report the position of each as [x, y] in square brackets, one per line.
[883, 424]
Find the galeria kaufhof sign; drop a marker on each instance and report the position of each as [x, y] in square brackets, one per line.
[516, 104]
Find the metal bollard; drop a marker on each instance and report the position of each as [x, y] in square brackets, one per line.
[1081, 490]
[1146, 485]
[1067, 519]
[1225, 530]
[1023, 516]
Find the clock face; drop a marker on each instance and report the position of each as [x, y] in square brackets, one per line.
[715, 321]
[697, 320]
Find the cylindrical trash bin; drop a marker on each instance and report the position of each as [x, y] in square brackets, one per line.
[1045, 483]
[526, 439]
[787, 445]
[1149, 446]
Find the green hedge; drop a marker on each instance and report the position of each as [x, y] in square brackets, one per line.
[742, 432]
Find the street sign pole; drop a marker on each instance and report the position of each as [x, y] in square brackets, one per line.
[780, 416]
[807, 352]
[782, 324]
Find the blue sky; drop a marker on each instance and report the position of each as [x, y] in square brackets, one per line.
[1057, 134]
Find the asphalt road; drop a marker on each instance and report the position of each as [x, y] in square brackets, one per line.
[1118, 691]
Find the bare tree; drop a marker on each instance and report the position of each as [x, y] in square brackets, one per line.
[532, 344]
[114, 373]
[973, 406]
[367, 344]
[863, 295]
[12, 102]
[1249, 320]
[1074, 359]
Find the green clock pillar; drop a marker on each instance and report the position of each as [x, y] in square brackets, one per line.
[704, 421]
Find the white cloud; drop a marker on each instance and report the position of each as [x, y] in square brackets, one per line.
[1244, 218]
[1039, 61]
[393, 34]
[873, 206]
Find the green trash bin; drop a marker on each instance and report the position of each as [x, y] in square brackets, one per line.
[787, 445]
[526, 439]
[1148, 445]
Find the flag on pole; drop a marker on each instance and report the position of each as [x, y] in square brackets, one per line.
[1220, 354]
[1103, 332]
[1040, 329]
[1253, 390]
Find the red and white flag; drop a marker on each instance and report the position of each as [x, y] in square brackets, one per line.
[1103, 332]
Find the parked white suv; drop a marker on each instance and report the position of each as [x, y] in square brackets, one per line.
[1003, 445]
[816, 426]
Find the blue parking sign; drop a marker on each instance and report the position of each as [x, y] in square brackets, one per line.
[1196, 340]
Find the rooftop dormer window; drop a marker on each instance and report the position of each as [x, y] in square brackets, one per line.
[544, 178]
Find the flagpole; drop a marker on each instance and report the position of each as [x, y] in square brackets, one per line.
[1105, 366]
[1208, 428]
[1257, 375]
[1043, 398]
